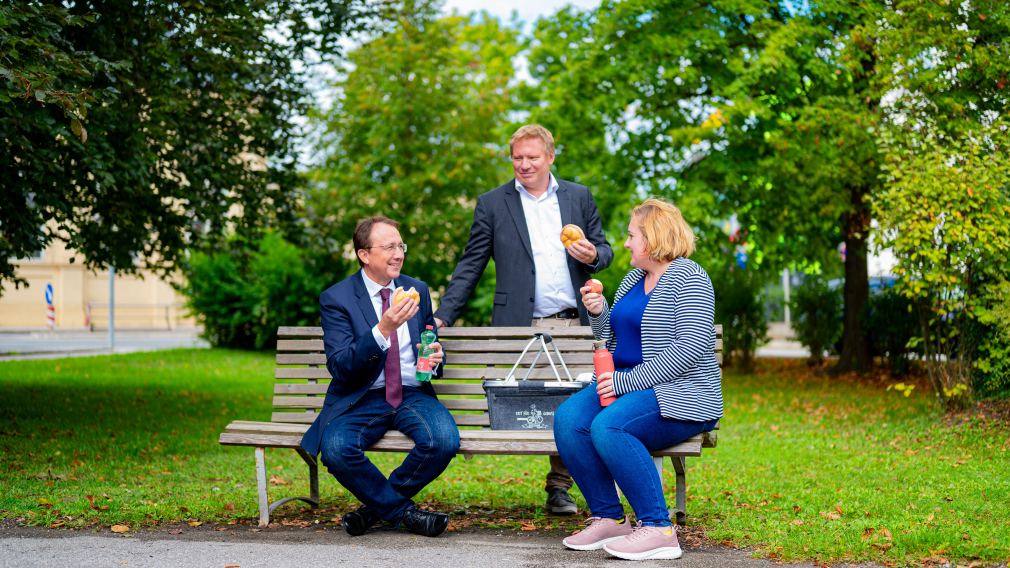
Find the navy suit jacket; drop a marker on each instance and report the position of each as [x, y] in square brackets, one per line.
[499, 231]
[353, 357]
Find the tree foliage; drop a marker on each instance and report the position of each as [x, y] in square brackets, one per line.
[133, 130]
[731, 107]
[418, 131]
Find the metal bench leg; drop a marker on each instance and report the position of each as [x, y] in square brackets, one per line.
[679, 466]
[261, 487]
[313, 478]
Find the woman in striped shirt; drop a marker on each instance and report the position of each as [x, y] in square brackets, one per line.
[667, 383]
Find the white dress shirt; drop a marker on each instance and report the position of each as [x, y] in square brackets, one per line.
[554, 291]
[408, 364]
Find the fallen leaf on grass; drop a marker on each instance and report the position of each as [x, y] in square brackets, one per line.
[830, 515]
[882, 546]
[120, 528]
[194, 523]
[295, 523]
[528, 526]
[57, 524]
[277, 480]
[798, 522]
[229, 506]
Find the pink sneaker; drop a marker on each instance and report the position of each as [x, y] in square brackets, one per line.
[598, 533]
[647, 543]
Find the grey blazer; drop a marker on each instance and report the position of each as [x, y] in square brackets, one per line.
[499, 231]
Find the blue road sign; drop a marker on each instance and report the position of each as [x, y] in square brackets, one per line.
[49, 293]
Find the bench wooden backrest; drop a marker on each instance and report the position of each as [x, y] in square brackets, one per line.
[473, 354]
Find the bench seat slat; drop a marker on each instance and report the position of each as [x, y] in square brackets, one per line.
[708, 439]
[471, 441]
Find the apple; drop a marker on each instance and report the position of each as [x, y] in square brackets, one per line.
[595, 286]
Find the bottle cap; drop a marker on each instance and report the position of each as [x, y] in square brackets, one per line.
[428, 327]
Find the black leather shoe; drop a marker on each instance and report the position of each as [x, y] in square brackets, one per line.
[560, 503]
[426, 523]
[357, 523]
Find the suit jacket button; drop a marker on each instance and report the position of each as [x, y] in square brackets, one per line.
[373, 357]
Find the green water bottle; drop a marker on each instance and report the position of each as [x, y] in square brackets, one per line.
[424, 354]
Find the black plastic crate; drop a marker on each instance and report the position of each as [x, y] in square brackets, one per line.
[526, 405]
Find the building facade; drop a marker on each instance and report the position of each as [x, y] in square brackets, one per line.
[81, 297]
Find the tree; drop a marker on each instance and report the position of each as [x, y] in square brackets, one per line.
[417, 132]
[133, 130]
[947, 170]
[728, 107]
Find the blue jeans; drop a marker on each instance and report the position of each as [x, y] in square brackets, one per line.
[602, 446]
[421, 418]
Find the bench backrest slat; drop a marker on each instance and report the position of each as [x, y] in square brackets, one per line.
[474, 354]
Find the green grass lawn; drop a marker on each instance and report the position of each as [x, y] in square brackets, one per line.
[807, 467]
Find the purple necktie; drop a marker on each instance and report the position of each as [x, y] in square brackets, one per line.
[394, 386]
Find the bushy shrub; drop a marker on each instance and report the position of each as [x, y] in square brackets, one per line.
[991, 373]
[241, 297]
[739, 307]
[817, 316]
[891, 322]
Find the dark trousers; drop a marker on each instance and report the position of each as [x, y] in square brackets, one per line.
[421, 418]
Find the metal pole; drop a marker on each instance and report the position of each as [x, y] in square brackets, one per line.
[785, 290]
[112, 308]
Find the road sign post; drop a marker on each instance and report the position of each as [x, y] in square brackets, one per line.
[50, 308]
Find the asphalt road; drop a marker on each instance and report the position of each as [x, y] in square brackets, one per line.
[53, 344]
[246, 548]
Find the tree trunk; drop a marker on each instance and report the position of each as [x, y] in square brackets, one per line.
[855, 354]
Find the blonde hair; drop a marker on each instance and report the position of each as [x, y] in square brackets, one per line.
[667, 235]
[533, 131]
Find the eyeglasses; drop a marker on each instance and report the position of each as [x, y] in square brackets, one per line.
[391, 247]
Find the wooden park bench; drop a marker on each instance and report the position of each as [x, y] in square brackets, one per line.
[473, 354]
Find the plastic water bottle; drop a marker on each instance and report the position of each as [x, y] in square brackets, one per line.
[603, 362]
[424, 354]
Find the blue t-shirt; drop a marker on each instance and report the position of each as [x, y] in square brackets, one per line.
[626, 321]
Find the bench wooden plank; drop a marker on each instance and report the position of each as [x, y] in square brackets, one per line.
[472, 373]
[576, 358]
[308, 417]
[708, 439]
[471, 441]
[295, 332]
[317, 402]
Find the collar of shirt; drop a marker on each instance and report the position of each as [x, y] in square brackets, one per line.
[373, 287]
[552, 188]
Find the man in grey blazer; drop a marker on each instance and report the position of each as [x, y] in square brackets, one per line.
[537, 278]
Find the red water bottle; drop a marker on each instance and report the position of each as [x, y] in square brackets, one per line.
[603, 362]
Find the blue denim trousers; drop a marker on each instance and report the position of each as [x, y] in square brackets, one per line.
[602, 446]
[421, 418]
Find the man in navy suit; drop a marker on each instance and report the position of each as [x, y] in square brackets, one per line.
[536, 278]
[371, 353]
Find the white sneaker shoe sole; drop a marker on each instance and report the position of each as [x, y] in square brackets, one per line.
[592, 545]
[663, 553]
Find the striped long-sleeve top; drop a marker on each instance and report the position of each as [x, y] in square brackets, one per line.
[678, 343]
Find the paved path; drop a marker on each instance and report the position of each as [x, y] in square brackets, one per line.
[244, 548]
[47, 344]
